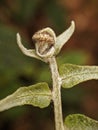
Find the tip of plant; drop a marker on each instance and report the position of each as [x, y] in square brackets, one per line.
[73, 24]
[17, 36]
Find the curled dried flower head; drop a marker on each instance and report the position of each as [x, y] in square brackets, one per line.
[43, 36]
[44, 42]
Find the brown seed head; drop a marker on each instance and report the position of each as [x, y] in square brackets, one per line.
[44, 42]
[43, 36]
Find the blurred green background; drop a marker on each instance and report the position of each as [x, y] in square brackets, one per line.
[27, 17]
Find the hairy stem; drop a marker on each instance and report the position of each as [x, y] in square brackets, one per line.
[56, 94]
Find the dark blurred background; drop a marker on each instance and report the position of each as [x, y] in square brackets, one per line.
[27, 17]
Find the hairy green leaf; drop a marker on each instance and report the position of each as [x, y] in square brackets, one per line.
[74, 74]
[37, 95]
[80, 122]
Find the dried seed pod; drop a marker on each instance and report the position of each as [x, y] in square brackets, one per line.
[44, 42]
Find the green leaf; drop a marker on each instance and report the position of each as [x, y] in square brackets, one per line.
[74, 74]
[37, 95]
[80, 122]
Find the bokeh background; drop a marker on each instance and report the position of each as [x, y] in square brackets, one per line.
[27, 17]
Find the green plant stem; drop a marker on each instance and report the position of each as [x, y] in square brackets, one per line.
[56, 93]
